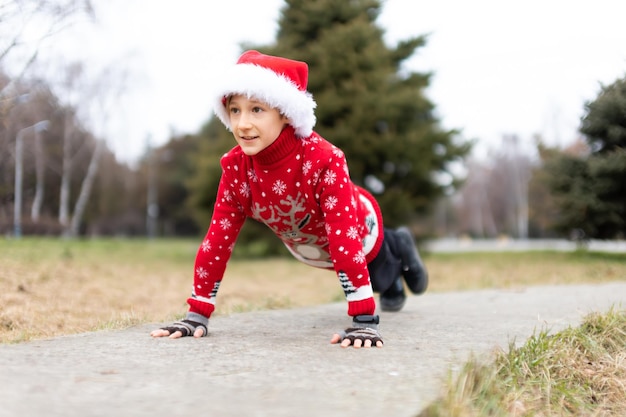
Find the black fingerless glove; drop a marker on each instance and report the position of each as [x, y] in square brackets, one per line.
[189, 324]
[363, 328]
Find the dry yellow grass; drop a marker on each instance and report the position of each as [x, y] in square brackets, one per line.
[466, 271]
[52, 287]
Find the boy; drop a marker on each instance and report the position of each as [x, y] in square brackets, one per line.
[286, 176]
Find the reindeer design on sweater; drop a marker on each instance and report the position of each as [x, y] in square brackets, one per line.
[306, 246]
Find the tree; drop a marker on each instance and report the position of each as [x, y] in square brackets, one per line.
[590, 189]
[368, 105]
[167, 171]
[604, 123]
[95, 98]
[31, 124]
[494, 198]
[474, 201]
[116, 204]
[543, 210]
[26, 24]
[111, 206]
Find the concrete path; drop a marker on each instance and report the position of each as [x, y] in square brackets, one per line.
[279, 363]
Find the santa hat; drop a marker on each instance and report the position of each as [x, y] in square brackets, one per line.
[279, 82]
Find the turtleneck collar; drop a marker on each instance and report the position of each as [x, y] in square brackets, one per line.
[280, 149]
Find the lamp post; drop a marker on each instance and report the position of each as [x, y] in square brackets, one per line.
[152, 203]
[19, 156]
[40, 173]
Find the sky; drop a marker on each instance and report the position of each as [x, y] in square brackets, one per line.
[499, 67]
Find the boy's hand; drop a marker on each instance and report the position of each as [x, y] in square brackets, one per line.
[364, 333]
[176, 334]
[193, 325]
[365, 342]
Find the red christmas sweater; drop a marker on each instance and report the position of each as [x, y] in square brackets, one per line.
[301, 189]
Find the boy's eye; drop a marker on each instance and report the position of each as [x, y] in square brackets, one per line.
[257, 109]
[234, 110]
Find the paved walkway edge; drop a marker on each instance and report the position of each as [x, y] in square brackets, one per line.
[279, 363]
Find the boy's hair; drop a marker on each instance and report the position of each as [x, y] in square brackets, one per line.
[279, 82]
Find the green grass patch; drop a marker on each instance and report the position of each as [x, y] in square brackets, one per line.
[580, 371]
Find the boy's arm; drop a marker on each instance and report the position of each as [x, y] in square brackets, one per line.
[210, 264]
[345, 229]
[339, 202]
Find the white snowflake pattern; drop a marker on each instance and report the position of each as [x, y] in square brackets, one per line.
[316, 176]
[201, 272]
[330, 177]
[279, 187]
[330, 203]
[206, 246]
[228, 196]
[252, 175]
[244, 189]
[337, 152]
[359, 257]
[225, 224]
[306, 167]
[353, 233]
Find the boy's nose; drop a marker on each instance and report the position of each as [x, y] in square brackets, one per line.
[244, 120]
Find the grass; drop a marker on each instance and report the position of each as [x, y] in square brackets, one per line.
[580, 371]
[466, 271]
[51, 287]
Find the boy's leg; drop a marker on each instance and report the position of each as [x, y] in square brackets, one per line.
[386, 278]
[413, 270]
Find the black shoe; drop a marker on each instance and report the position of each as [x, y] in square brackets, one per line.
[393, 299]
[413, 269]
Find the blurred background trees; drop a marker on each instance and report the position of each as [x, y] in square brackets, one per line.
[369, 105]
[590, 186]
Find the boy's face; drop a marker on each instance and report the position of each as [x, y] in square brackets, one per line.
[255, 125]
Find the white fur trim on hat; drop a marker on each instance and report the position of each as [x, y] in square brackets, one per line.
[278, 91]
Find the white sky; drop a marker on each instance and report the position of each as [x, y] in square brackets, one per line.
[500, 67]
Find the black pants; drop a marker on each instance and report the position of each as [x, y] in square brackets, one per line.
[386, 267]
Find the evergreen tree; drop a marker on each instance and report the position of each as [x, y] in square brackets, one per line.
[591, 190]
[604, 124]
[371, 108]
[367, 104]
